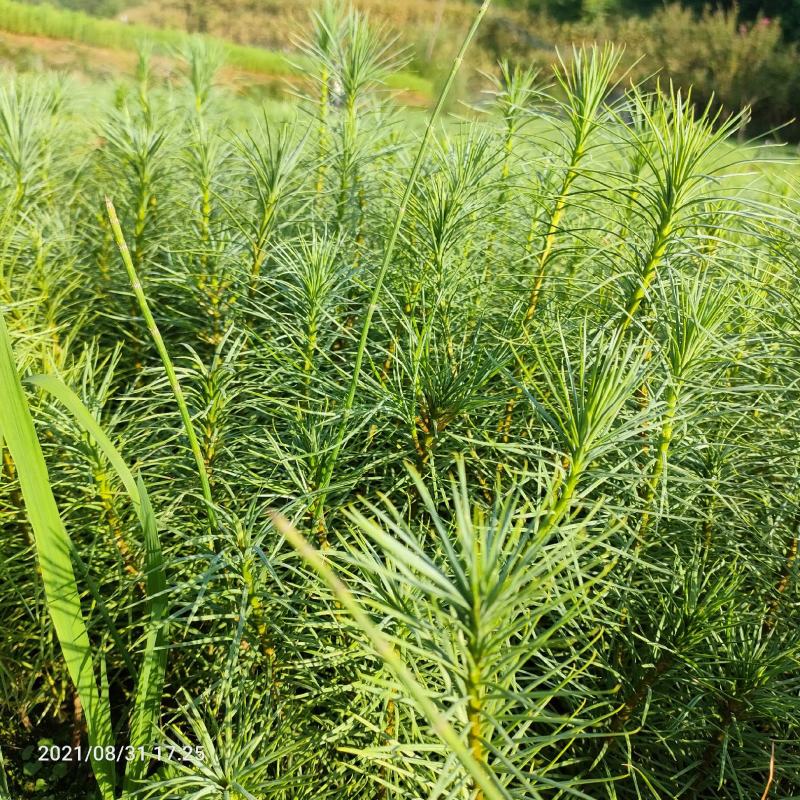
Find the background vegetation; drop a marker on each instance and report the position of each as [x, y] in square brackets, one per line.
[742, 55]
[746, 10]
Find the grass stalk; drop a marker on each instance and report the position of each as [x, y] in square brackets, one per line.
[169, 369]
[436, 719]
[386, 261]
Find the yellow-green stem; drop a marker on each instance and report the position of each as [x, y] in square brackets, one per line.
[474, 711]
[260, 245]
[649, 272]
[542, 262]
[323, 131]
[664, 441]
[550, 238]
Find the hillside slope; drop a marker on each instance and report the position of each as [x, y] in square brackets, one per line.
[36, 37]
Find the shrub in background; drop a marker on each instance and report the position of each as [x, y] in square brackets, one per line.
[730, 63]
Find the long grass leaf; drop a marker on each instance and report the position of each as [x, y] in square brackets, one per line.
[53, 552]
[150, 682]
[172, 377]
[437, 720]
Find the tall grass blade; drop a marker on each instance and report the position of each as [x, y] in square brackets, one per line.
[437, 720]
[389, 252]
[53, 552]
[165, 360]
[150, 681]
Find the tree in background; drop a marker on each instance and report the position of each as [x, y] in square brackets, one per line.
[749, 10]
[787, 10]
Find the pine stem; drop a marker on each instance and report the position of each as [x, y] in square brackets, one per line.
[553, 227]
[729, 709]
[783, 580]
[635, 698]
[323, 132]
[664, 441]
[550, 236]
[649, 272]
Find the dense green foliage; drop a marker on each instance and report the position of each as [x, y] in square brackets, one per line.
[471, 463]
[730, 63]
